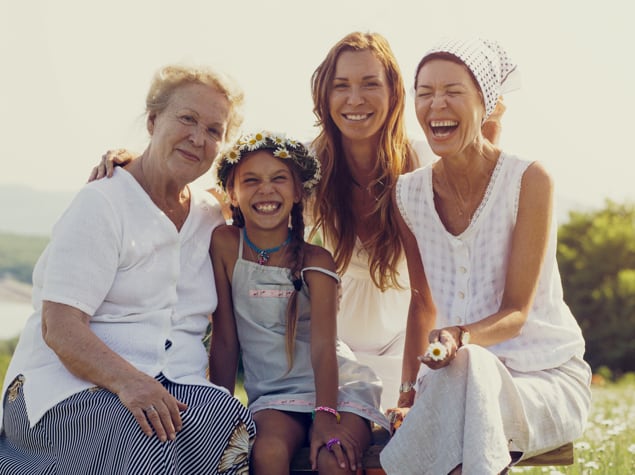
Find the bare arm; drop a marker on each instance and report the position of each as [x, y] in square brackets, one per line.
[421, 312]
[66, 331]
[323, 294]
[224, 346]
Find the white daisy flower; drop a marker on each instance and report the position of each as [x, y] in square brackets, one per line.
[233, 156]
[279, 139]
[255, 141]
[437, 351]
[281, 153]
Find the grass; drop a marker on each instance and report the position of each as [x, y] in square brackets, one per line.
[607, 446]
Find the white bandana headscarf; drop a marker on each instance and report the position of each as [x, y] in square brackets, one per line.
[493, 69]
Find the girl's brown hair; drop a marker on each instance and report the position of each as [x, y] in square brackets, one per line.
[331, 210]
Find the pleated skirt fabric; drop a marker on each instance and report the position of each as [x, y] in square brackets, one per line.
[93, 433]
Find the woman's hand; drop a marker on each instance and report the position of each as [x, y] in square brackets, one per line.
[396, 415]
[153, 407]
[442, 348]
[327, 434]
[66, 330]
[109, 160]
[492, 127]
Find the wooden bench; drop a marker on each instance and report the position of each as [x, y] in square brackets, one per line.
[371, 466]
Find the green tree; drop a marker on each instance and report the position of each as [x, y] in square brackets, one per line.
[596, 255]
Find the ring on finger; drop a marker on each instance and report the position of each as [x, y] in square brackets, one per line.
[331, 443]
[150, 408]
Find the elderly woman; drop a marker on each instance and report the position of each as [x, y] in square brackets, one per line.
[109, 373]
[503, 375]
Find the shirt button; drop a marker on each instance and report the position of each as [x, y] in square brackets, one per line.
[462, 269]
[461, 295]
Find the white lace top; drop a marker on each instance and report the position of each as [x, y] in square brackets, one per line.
[466, 273]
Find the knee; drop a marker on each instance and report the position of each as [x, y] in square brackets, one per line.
[268, 450]
[327, 464]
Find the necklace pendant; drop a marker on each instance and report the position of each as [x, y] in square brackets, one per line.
[263, 257]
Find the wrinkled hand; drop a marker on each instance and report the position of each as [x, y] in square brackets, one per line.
[347, 451]
[447, 338]
[153, 407]
[109, 160]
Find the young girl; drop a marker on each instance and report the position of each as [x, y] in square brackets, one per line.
[277, 307]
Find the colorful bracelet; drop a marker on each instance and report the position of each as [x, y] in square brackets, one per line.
[330, 410]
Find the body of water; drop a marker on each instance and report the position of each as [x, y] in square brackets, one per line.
[13, 316]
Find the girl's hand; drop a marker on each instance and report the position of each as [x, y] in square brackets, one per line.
[153, 407]
[109, 160]
[442, 348]
[328, 435]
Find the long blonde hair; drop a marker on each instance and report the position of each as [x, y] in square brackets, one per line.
[331, 210]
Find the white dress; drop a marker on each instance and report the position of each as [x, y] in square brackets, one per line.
[373, 323]
[528, 394]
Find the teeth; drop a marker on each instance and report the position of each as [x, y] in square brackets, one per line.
[357, 116]
[266, 207]
[443, 123]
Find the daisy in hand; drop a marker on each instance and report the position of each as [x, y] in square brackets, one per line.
[437, 351]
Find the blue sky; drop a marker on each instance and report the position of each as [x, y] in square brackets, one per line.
[75, 74]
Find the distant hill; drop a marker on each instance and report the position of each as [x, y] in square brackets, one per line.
[24, 210]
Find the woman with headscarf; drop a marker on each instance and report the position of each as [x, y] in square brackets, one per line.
[503, 375]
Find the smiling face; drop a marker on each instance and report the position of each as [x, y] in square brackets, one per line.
[449, 107]
[359, 97]
[188, 134]
[265, 189]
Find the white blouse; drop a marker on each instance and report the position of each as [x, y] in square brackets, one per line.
[466, 273]
[148, 288]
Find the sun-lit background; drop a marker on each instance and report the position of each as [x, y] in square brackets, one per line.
[75, 73]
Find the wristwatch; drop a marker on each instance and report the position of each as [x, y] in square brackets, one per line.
[406, 386]
[464, 336]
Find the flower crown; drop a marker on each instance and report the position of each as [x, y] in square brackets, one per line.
[283, 148]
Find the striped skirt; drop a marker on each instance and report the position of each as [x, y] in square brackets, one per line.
[93, 433]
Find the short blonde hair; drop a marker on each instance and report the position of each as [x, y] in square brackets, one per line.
[169, 78]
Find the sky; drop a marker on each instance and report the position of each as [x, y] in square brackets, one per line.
[75, 74]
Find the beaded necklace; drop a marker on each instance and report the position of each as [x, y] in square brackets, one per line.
[264, 254]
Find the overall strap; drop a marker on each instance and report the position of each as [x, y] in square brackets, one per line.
[323, 271]
[240, 245]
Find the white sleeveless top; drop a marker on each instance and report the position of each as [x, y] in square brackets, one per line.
[466, 273]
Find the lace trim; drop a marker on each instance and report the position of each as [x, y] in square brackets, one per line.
[490, 187]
